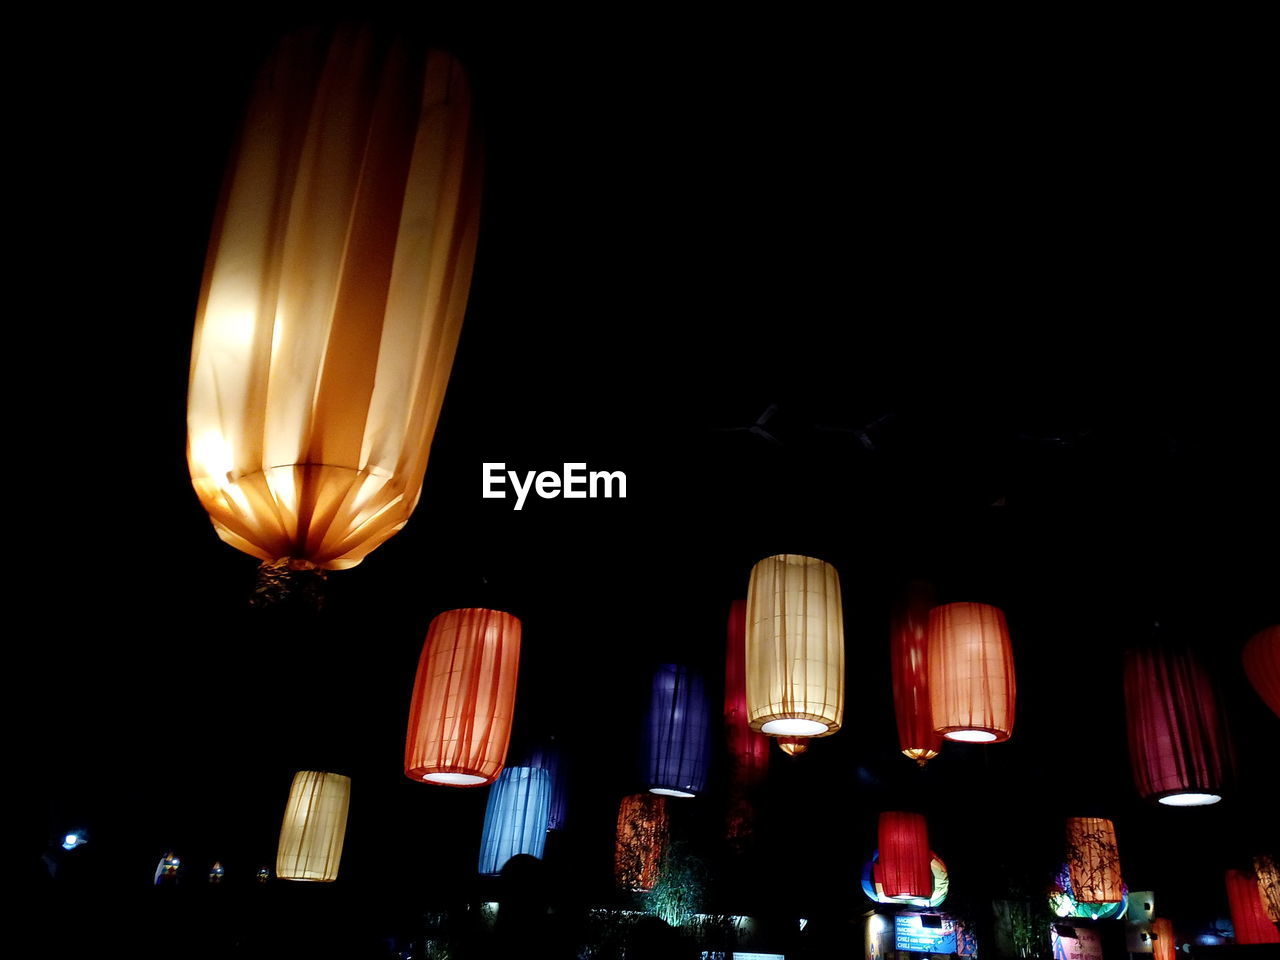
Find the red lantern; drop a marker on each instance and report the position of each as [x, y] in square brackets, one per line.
[1248, 915]
[1178, 740]
[909, 648]
[748, 750]
[464, 698]
[1164, 942]
[1262, 666]
[1093, 859]
[903, 867]
[971, 678]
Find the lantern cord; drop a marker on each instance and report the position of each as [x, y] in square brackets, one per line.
[289, 581]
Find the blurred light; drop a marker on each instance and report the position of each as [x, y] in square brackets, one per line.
[803, 923]
[971, 736]
[794, 728]
[73, 840]
[1190, 799]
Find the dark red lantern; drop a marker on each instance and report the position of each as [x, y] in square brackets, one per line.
[748, 750]
[1178, 739]
[903, 867]
[908, 654]
[1248, 915]
[1262, 665]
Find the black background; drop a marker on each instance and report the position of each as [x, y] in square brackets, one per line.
[1039, 259]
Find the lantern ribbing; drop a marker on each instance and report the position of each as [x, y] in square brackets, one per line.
[972, 686]
[314, 827]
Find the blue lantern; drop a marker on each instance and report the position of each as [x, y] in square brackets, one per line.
[515, 820]
[679, 728]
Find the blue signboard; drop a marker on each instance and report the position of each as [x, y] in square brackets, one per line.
[924, 933]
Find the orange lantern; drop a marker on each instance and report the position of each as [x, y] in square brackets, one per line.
[1093, 859]
[972, 688]
[333, 298]
[1262, 666]
[1248, 915]
[908, 658]
[903, 867]
[464, 698]
[1268, 885]
[643, 833]
[1164, 943]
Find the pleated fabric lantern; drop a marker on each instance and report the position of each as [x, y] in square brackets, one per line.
[333, 297]
[678, 732]
[315, 824]
[464, 698]
[1178, 740]
[1164, 942]
[792, 746]
[643, 833]
[1268, 873]
[1248, 915]
[972, 687]
[795, 647]
[1093, 859]
[515, 818]
[1262, 666]
[548, 755]
[903, 866]
[748, 750]
[909, 661]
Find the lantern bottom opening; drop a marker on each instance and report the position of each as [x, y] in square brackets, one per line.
[460, 779]
[971, 736]
[791, 727]
[671, 792]
[1189, 799]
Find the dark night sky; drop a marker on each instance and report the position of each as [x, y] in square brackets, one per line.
[1040, 267]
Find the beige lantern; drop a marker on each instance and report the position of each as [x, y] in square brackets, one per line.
[315, 823]
[795, 647]
[333, 297]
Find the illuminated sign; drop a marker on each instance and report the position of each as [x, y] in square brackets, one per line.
[1074, 943]
[924, 933]
[739, 955]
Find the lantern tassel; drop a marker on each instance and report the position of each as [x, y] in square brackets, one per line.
[289, 580]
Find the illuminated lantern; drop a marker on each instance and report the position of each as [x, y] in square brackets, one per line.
[748, 750]
[515, 819]
[793, 746]
[217, 872]
[1094, 860]
[795, 647]
[1262, 665]
[1248, 915]
[1164, 945]
[549, 756]
[1268, 885]
[679, 726]
[333, 297]
[972, 688]
[908, 657]
[875, 890]
[167, 869]
[1178, 740]
[643, 833]
[904, 856]
[315, 824]
[464, 698]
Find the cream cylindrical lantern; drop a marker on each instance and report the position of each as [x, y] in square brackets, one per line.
[795, 647]
[315, 824]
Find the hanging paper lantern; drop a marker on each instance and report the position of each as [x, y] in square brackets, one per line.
[795, 647]
[643, 833]
[549, 755]
[875, 890]
[1248, 915]
[1268, 885]
[748, 750]
[972, 688]
[1164, 944]
[333, 297]
[792, 746]
[1063, 903]
[315, 824]
[903, 866]
[1262, 666]
[464, 698]
[1094, 859]
[167, 869]
[908, 657]
[678, 732]
[1178, 740]
[515, 819]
